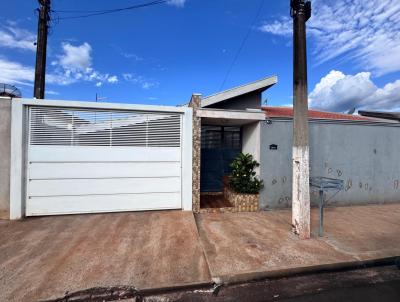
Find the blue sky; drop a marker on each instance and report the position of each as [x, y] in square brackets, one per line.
[162, 54]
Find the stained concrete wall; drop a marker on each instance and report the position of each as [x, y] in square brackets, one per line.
[365, 156]
[5, 153]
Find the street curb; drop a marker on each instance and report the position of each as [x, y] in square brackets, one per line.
[275, 274]
[296, 271]
[202, 246]
[188, 286]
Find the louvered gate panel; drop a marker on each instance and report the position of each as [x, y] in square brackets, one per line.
[68, 127]
[82, 160]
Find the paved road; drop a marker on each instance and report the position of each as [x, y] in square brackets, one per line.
[382, 292]
[379, 284]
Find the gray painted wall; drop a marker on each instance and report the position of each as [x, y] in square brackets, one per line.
[366, 157]
[5, 149]
[242, 102]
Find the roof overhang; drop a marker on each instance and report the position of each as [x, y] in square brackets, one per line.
[225, 117]
[385, 115]
[222, 96]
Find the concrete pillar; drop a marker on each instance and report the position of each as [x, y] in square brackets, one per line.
[195, 103]
[251, 138]
[5, 156]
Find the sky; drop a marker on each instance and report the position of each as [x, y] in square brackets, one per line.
[161, 54]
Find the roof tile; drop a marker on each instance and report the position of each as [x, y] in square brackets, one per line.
[313, 114]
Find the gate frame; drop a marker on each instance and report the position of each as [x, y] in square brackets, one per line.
[19, 126]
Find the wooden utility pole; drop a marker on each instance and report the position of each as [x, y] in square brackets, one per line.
[41, 47]
[300, 12]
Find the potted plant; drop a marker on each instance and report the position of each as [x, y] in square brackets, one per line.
[244, 185]
[243, 178]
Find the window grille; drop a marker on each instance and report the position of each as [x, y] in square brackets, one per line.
[215, 137]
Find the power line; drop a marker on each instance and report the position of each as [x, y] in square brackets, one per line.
[243, 43]
[114, 10]
[80, 11]
[109, 11]
[97, 10]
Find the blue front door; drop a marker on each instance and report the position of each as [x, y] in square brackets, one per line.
[219, 147]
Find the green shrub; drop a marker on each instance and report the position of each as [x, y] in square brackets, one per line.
[243, 178]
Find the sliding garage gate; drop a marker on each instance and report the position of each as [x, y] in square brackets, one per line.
[94, 160]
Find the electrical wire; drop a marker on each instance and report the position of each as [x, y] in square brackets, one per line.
[88, 11]
[109, 11]
[243, 43]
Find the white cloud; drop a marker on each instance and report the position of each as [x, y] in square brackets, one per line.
[65, 71]
[283, 27]
[125, 54]
[339, 92]
[147, 85]
[14, 37]
[131, 56]
[51, 92]
[59, 78]
[367, 32]
[75, 64]
[140, 80]
[129, 77]
[112, 79]
[15, 73]
[178, 3]
[76, 57]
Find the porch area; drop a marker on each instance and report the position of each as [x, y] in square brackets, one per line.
[224, 135]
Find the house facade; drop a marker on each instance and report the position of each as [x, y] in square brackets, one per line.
[64, 157]
[358, 150]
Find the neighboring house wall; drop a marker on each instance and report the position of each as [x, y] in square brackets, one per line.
[5, 146]
[365, 156]
[242, 102]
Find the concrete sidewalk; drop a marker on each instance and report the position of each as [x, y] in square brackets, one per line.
[43, 258]
[243, 246]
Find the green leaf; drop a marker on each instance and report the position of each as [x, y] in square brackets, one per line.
[243, 177]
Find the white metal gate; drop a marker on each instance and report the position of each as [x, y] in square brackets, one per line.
[96, 160]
